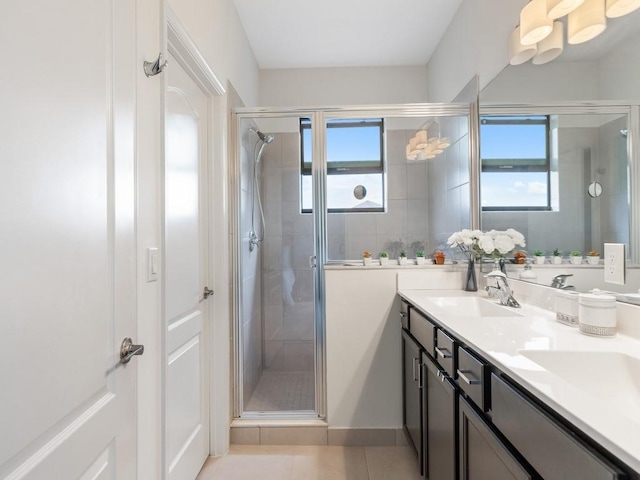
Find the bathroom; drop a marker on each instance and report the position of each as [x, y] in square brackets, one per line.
[109, 166]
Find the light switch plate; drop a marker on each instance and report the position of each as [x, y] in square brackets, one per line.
[615, 263]
[152, 264]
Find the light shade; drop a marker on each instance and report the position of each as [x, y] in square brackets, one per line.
[519, 53]
[534, 22]
[586, 22]
[618, 8]
[413, 149]
[421, 139]
[551, 47]
[560, 8]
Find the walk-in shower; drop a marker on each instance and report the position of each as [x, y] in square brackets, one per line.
[322, 187]
[264, 140]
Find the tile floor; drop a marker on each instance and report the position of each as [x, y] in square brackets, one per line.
[283, 391]
[266, 462]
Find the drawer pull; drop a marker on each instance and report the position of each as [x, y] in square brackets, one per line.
[467, 380]
[443, 352]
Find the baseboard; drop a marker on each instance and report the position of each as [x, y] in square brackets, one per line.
[282, 434]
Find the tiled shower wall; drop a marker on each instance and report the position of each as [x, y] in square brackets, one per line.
[581, 222]
[286, 275]
[448, 186]
[426, 200]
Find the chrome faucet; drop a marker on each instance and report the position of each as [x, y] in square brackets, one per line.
[501, 290]
[559, 281]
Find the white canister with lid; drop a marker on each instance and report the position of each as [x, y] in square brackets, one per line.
[567, 307]
[597, 314]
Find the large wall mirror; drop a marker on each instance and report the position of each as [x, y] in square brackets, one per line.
[574, 186]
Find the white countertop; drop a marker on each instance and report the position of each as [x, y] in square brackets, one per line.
[608, 414]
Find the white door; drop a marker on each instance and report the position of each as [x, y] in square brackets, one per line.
[186, 153]
[67, 245]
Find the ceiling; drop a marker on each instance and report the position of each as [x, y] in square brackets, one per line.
[344, 33]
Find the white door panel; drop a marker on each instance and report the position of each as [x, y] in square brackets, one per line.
[186, 152]
[67, 289]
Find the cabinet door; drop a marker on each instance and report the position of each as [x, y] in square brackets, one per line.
[440, 421]
[552, 449]
[483, 456]
[412, 415]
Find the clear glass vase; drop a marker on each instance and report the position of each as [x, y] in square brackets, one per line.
[471, 283]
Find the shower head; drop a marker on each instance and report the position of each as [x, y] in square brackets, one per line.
[265, 137]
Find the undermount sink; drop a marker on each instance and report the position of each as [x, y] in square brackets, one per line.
[611, 376]
[472, 306]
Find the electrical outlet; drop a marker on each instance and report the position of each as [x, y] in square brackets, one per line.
[615, 263]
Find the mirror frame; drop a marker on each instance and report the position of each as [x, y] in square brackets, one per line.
[632, 110]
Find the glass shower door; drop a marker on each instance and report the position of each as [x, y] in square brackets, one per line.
[277, 327]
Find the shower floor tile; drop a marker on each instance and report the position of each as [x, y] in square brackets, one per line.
[283, 391]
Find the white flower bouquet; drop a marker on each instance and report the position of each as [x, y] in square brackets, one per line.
[495, 244]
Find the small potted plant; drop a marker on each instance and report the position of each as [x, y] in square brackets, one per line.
[593, 257]
[420, 259]
[539, 254]
[557, 256]
[576, 257]
[402, 258]
[438, 258]
[366, 258]
[384, 258]
[519, 257]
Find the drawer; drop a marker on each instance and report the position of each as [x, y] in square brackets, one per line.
[423, 330]
[404, 314]
[446, 352]
[471, 375]
[553, 450]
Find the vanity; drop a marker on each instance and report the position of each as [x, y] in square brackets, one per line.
[494, 392]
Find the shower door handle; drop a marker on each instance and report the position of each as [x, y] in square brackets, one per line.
[312, 261]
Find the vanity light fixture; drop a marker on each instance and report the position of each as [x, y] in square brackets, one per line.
[551, 47]
[421, 139]
[618, 8]
[586, 22]
[534, 22]
[421, 147]
[560, 8]
[519, 53]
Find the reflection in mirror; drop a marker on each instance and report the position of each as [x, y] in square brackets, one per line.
[590, 151]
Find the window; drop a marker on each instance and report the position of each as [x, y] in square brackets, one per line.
[354, 158]
[514, 151]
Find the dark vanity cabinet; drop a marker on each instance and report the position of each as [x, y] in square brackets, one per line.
[412, 394]
[483, 455]
[439, 425]
[467, 420]
[428, 384]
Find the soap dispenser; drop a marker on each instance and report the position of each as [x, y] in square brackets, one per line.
[528, 274]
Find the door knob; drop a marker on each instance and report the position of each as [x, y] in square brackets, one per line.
[207, 292]
[128, 350]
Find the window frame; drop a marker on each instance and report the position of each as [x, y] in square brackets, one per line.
[506, 165]
[347, 169]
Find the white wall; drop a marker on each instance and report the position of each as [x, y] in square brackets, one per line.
[619, 72]
[364, 348]
[555, 81]
[215, 28]
[475, 44]
[343, 86]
